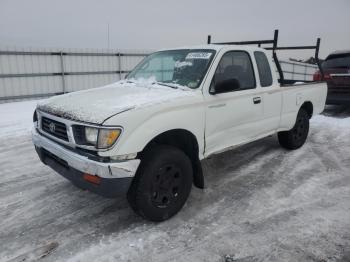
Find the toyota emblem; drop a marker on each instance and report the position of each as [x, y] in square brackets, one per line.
[52, 127]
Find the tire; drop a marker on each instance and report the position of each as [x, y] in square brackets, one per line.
[296, 137]
[162, 183]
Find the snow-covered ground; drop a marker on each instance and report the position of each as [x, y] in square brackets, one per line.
[16, 118]
[262, 203]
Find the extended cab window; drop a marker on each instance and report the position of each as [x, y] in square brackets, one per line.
[263, 68]
[236, 65]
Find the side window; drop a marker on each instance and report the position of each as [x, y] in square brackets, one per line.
[263, 68]
[236, 65]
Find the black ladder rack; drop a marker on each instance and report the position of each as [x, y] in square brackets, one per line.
[274, 48]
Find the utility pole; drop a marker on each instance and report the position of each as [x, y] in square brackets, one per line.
[107, 35]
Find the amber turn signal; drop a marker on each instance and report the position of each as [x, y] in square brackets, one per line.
[92, 179]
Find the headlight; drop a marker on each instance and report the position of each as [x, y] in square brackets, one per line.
[101, 138]
[91, 135]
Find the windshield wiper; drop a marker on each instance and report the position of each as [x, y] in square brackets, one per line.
[165, 84]
[156, 83]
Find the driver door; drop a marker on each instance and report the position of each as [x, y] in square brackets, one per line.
[233, 117]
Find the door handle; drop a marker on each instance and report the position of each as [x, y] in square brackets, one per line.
[257, 100]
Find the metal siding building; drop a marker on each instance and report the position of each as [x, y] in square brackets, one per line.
[29, 72]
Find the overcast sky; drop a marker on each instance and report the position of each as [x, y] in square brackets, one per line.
[155, 24]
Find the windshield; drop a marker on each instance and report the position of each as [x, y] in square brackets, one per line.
[185, 67]
[337, 61]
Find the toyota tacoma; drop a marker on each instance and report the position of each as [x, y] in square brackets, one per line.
[145, 136]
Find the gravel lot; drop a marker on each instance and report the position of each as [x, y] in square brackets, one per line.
[261, 203]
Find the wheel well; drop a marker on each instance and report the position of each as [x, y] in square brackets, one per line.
[308, 107]
[185, 141]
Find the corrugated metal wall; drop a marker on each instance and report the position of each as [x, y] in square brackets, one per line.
[36, 72]
[31, 72]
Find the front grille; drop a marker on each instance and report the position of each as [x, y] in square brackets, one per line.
[54, 128]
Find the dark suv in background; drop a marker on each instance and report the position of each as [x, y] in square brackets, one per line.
[336, 70]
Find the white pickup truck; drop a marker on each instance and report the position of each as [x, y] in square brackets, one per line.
[146, 135]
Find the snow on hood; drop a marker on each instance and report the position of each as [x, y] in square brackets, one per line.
[95, 105]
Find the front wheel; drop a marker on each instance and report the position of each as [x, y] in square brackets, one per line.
[162, 184]
[296, 137]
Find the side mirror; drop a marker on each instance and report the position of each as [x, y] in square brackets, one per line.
[225, 86]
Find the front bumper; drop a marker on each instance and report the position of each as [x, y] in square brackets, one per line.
[115, 177]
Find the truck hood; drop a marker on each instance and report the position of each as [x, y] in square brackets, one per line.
[98, 104]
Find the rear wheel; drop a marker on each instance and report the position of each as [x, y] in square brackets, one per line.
[296, 137]
[162, 184]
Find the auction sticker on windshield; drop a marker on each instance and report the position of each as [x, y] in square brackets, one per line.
[198, 55]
